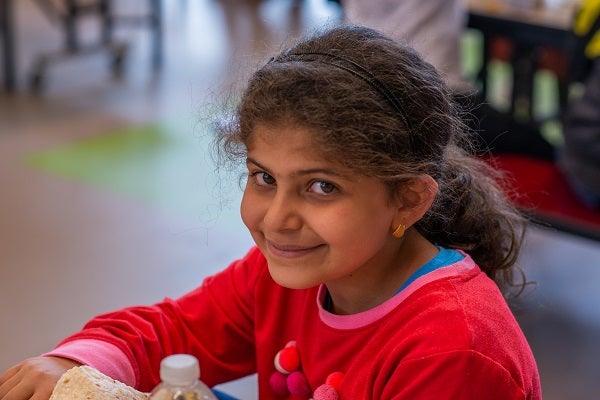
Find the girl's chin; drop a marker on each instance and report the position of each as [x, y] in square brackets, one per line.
[291, 280]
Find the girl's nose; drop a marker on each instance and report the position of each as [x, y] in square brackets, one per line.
[283, 213]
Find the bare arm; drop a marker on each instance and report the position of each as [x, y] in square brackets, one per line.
[33, 378]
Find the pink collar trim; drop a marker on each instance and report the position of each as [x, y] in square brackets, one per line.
[365, 318]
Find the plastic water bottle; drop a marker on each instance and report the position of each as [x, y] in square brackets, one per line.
[180, 374]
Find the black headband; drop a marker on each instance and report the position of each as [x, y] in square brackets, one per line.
[361, 72]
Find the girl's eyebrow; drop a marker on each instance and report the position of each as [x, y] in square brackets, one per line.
[309, 171]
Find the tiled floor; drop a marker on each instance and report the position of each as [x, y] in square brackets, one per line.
[76, 244]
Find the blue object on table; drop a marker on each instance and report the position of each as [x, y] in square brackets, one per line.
[223, 396]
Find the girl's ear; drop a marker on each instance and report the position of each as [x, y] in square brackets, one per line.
[414, 198]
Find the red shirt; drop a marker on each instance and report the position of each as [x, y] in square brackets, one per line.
[448, 335]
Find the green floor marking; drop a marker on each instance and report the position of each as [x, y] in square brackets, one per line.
[168, 166]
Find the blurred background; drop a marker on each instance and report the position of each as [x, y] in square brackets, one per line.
[109, 195]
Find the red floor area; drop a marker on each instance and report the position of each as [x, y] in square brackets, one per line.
[539, 187]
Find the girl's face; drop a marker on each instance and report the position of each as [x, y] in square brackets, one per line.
[314, 221]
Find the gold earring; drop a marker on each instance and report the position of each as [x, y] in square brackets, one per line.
[399, 232]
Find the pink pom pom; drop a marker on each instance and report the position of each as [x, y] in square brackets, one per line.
[297, 384]
[334, 379]
[326, 392]
[278, 382]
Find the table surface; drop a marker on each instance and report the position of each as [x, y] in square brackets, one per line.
[558, 15]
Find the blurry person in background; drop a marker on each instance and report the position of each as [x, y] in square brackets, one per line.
[434, 28]
[579, 157]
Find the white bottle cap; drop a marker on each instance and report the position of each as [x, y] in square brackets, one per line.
[179, 370]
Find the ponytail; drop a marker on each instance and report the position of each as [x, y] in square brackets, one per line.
[473, 213]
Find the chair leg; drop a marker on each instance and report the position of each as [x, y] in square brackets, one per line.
[157, 27]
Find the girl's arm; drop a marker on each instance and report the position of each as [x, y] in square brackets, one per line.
[214, 323]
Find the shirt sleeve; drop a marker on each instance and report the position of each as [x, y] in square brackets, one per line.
[213, 322]
[102, 355]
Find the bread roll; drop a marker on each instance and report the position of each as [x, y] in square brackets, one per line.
[87, 383]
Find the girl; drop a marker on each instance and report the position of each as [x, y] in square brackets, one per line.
[381, 246]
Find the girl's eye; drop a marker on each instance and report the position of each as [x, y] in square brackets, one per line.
[263, 179]
[321, 187]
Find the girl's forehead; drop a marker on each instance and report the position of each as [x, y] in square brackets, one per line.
[282, 143]
[282, 135]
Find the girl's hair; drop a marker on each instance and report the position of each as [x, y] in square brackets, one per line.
[378, 108]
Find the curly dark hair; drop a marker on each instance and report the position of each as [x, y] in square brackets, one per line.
[378, 108]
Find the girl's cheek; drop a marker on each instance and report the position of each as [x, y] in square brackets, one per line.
[250, 210]
[244, 209]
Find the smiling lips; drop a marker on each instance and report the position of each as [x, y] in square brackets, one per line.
[290, 251]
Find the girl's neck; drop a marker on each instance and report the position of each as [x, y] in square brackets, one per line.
[378, 282]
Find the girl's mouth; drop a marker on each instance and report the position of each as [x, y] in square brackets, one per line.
[290, 251]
